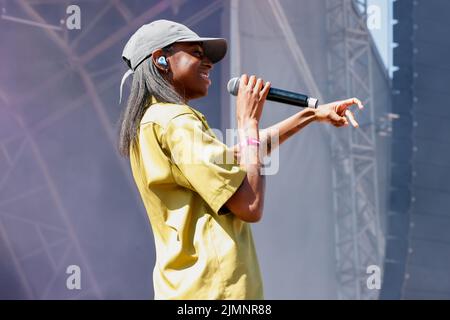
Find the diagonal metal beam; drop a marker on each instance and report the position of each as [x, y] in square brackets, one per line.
[88, 83]
[98, 106]
[53, 190]
[295, 48]
[159, 8]
[36, 91]
[87, 29]
[202, 14]
[123, 10]
[16, 261]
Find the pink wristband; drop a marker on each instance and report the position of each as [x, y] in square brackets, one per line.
[250, 142]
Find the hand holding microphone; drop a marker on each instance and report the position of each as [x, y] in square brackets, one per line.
[249, 104]
[251, 95]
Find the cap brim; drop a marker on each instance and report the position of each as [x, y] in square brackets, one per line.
[214, 48]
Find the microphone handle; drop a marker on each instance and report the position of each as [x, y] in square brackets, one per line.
[296, 99]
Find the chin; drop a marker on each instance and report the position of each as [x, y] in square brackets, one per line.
[200, 94]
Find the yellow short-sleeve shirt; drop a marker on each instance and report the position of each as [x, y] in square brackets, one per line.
[184, 177]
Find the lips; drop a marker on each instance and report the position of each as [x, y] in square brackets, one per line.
[205, 76]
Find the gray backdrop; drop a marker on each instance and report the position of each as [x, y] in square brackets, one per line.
[67, 198]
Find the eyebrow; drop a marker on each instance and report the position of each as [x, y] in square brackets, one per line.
[196, 45]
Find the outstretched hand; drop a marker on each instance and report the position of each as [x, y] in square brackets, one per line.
[337, 113]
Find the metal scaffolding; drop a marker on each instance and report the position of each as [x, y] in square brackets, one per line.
[58, 238]
[359, 241]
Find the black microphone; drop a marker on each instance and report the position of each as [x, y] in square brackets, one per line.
[278, 95]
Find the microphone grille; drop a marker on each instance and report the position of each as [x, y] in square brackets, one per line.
[233, 86]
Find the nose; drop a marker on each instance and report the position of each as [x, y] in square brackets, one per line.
[207, 62]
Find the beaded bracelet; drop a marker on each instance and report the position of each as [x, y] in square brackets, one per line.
[250, 142]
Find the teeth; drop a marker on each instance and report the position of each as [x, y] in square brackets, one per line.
[204, 75]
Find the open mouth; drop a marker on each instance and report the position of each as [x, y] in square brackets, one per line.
[204, 75]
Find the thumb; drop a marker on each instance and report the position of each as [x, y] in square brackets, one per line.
[334, 117]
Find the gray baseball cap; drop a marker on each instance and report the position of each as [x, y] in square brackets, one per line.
[161, 33]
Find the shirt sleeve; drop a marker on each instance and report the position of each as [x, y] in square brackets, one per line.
[207, 163]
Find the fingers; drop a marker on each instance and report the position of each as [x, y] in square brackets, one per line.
[351, 118]
[339, 121]
[255, 85]
[359, 103]
[259, 84]
[336, 119]
[345, 104]
[265, 90]
[251, 97]
[243, 82]
[251, 82]
[345, 121]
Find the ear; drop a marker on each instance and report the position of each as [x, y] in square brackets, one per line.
[155, 56]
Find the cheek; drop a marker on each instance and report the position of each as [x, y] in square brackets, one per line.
[183, 67]
[184, 62]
